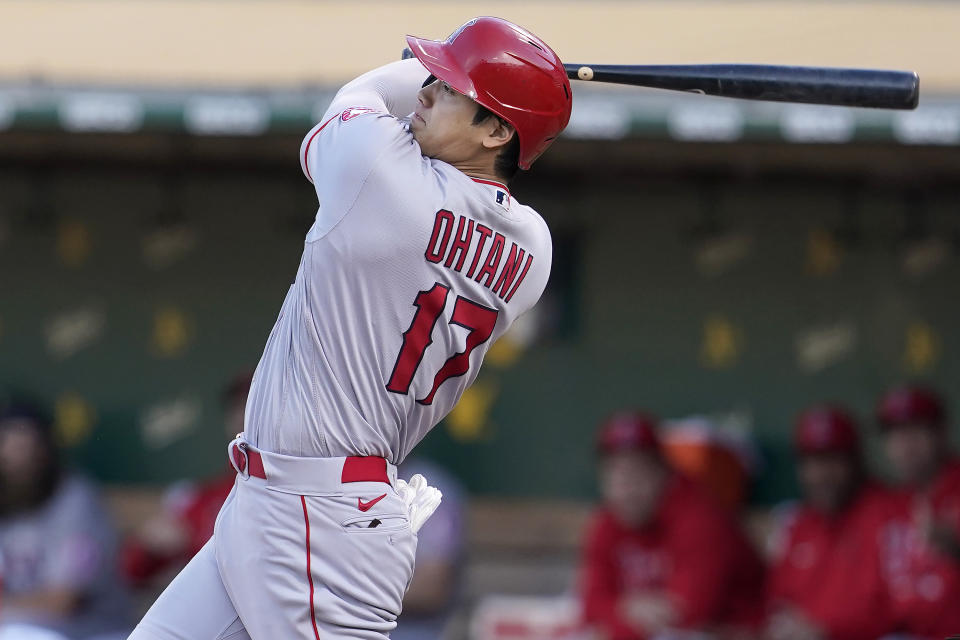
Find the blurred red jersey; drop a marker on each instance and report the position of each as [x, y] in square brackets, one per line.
[693, 552]
[196, 509]
[830, 568]
[924, 582]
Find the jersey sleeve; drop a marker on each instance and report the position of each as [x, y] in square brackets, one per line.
[361, 129]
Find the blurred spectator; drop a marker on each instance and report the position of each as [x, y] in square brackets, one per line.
[661, 556]
[433, 592]
[167, 541]
[56, 541]
[826, 577]
[923, 561]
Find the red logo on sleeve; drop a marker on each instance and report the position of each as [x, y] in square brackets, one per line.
[353, 112]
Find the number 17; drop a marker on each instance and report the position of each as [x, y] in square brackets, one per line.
[480, 320]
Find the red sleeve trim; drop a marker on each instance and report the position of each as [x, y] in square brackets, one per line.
[306, 150]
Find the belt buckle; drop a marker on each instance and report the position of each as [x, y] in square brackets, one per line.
[238, 444]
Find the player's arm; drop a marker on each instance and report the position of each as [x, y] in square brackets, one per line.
[391, 89]
[360, 133]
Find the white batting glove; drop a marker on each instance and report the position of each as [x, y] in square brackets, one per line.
[421, 500]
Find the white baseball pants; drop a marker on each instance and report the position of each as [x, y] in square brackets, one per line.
[300, 554]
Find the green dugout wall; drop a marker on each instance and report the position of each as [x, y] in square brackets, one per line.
[135, 281]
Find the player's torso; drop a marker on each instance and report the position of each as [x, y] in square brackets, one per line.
[392, 312]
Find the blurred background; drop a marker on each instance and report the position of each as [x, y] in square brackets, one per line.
[720, 264]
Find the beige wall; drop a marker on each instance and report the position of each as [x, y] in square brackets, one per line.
[254, 42]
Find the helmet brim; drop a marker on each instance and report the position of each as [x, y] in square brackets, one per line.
[433, 55]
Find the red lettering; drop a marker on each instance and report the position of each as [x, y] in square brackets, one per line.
[443, 223]
[523, 275]
[461, 244]
[509, 272]
[489, 271]
[484, 232]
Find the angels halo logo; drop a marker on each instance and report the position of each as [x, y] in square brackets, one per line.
[353, 112]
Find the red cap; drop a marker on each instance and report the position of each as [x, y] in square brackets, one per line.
[826, 428]
[628, 431]
[911, 404]
[508, 70]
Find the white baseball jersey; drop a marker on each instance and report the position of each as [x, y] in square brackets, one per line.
[411, 270]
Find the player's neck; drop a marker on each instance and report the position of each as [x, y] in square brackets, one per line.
[479, 169]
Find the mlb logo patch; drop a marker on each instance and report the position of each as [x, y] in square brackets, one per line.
[353, 112]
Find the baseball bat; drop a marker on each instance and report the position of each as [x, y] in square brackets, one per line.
[812, 85]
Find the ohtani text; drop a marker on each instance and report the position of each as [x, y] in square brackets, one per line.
[487, 259]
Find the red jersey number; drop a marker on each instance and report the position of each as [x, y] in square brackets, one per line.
[480, 320]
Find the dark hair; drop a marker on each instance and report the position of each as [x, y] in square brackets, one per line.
[507, 164]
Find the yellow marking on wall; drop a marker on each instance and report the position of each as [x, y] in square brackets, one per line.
[503, 353]
[73, 419]
[922, 348]
[824, 255]
[172, 332]
[469, 420]
[722, 343]
[73, 243]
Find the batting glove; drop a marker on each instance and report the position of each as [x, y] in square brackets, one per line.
[421, 500]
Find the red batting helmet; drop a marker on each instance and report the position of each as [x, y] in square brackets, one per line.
[508, 70]
[628, 431]
[911, 404]
[825, 428]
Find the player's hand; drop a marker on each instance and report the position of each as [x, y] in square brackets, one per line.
[421, 500]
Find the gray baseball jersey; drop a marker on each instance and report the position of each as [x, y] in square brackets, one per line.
[411, 270]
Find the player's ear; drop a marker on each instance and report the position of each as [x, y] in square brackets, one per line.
[499, 133]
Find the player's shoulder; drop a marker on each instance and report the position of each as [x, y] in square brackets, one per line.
[355, 137]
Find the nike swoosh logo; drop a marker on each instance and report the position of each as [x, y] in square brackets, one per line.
[365, 506]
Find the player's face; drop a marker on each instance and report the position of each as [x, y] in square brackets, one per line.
[827, 480]
[914, 451]
[442, 125]
[22, 454]
[632, 483]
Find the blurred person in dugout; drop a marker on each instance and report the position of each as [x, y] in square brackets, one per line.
[923, 546]
[167, 541]
[435, 587]
[661, 557]
[825, 580]
[57, 546]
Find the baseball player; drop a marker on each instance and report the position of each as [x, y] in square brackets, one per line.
[661, 558]
[418, 260]
[923, 548]
[826, 577]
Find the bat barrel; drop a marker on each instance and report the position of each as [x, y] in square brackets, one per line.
[812, 85]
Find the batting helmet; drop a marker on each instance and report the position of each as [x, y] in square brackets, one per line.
[911, 404]
[628, 431]
[508, 70]
[825, 428]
